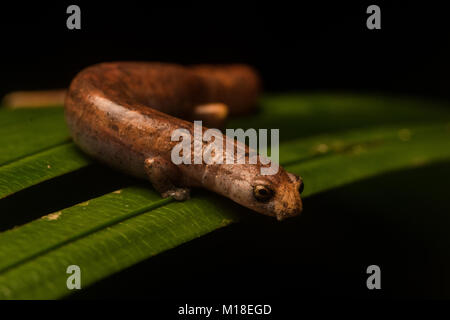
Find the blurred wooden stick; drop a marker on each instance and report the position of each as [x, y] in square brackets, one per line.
[34, 99]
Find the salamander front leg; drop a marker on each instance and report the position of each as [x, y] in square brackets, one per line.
[164, 176]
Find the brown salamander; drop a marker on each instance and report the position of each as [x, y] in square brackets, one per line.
[124, 113]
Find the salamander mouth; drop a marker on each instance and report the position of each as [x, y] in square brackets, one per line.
[284, 214]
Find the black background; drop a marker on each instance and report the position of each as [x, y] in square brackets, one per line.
[302, 47]
[295, 45]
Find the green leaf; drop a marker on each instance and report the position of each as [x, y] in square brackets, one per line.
[362, 154]
[39, 167]
[25, 132]
[35, 146]
[305, 115]
[102, 236]
[109, 233]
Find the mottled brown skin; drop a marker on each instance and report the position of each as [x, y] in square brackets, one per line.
[124, 113]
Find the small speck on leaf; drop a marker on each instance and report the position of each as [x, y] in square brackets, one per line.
[117, 191]
[226, 222]
[52, 216]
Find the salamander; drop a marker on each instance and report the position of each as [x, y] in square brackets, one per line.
[124, 113]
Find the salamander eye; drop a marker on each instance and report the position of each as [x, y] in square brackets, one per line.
[262, 193]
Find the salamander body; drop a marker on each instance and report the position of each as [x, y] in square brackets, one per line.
[124, 114]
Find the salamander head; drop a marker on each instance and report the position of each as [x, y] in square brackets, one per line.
[275, 195]
[278, 195]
